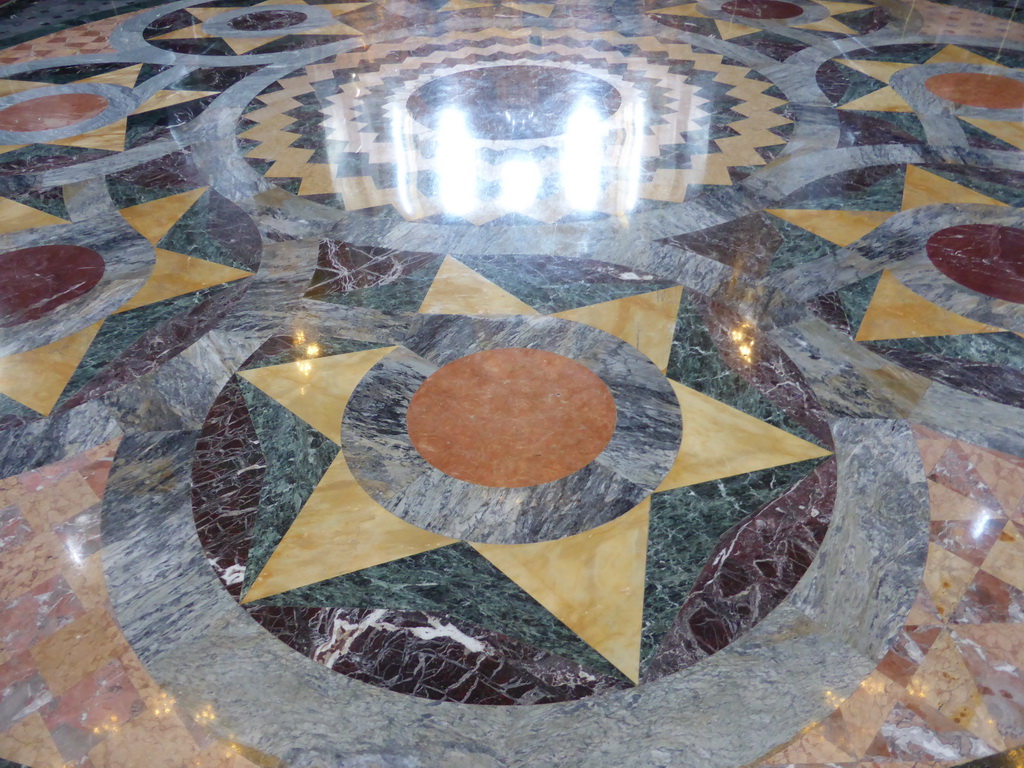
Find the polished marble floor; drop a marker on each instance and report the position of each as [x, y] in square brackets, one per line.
[498, 384]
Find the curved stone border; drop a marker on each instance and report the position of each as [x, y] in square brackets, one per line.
[383, 459]
[827, 636]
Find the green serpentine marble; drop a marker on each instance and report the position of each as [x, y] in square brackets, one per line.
[798, 247]
[297, 457]
[453, 580]
[1006, 349]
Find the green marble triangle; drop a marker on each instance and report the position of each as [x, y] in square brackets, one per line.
[297, 457]
[558, 285]
[457, 581]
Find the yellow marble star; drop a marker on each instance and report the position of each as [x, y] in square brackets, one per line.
[36, 378]
[592, 581]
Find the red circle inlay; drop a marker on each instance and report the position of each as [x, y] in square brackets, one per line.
[762, 9]
[40, 279]
[509, 418]
[986, 258]
[973, 89]
[48, 112]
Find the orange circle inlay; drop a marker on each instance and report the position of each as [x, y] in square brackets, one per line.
[508, 418]
[49, 112]
[974, 89]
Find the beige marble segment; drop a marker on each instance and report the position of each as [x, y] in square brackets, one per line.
[29, 564]
[593, 582]
[859, 718]
[932, 450]
[459, 290]
[719, 441]
[110, 137]
[1006, 559]
[37, 377]
[340, 529]
[944, 683]
[154, 219]
[811, 748]
[175, 274]
[646, 321]
[1002, 642]
[947, 504]
[56, 502]
[1002, 473]
[153, 739]
[29, 742]
[81, 647]
[896, 312]
[924, 188]
[880, 70]
[947, 578]
[162, 99]
[537, 9]
[923, 612]
[839, 227]
[15, 217]
[10, 87]
[317, 390]
[883, 100]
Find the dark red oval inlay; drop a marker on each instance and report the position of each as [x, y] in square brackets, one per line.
[38, 280]
[986, 258]
[267, 21]
[762, 9]
[48, 112]
[974, 89]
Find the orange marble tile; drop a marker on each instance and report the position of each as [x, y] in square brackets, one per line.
[29, 742]
[1006, 560]
[944, 683]
[27, 565]
[947, 504]
[87, 580]
[151, 739]
[855, 724]
[78, 649]
[947, 578]
[48, 505]
[931, 452]
[509, 418]
[1003, 476]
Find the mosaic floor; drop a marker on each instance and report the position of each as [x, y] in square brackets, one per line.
[497, 384]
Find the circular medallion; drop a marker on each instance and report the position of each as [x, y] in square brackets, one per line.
[509, 418]
[986, 258]
[974, 89]
[39, 280]
[537, 496]
[51, 112]
[762, 9]
[514, 102]
[266, 21]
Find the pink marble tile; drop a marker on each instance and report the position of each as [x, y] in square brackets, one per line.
[90, 710]
[14, 528]
[971, 540]
[37, 614]
[22, 690]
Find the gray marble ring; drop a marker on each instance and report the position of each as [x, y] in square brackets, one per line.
[382, 457]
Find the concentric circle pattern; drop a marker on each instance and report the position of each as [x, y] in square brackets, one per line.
[375, 372]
